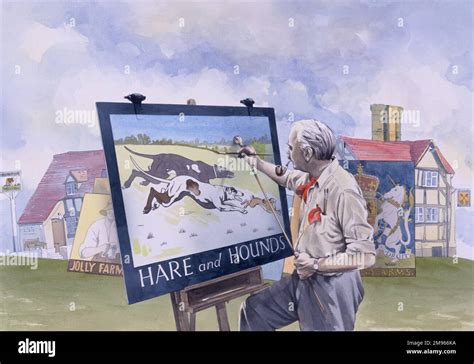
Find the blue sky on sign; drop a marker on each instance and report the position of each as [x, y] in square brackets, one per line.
[209, 128]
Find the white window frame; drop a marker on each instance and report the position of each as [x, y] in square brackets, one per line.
[71, 225]
[71, 188]
[78, 204]
[419, 214]
[434, 178]
[430, 179]
[432, 215]
[69, 204]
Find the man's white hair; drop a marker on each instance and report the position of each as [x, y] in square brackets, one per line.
[318, 136]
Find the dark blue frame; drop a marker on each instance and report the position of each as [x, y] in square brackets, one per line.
[136, 293]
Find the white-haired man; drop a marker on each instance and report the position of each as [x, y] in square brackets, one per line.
[334, 241]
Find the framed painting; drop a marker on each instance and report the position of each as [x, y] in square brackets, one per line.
[187, 209]
[464, 197]
[95, 248]
[389, 190]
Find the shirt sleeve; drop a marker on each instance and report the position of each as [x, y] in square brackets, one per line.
[296, 178]
[91, 240]
[352, 215]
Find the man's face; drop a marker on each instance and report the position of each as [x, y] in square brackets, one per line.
[110, 214]
[295, 154]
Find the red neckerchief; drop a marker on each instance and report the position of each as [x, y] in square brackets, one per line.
[302, 190]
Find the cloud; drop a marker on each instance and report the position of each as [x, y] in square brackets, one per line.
[464, 250]
[322, 60]
[39, 38]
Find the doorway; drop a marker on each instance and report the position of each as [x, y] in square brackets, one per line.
[59, 235]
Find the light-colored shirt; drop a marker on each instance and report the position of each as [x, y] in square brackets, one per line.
[343, 226]
[100, 232]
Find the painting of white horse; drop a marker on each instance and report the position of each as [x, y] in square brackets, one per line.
[392, 222]
[388, 188]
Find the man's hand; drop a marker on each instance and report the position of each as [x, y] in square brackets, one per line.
[105, 249]
[248, 150]
[305, 265]
[257, 163]
[91, 251]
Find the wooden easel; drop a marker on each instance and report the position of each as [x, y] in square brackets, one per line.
[217, 292]
[289, 265]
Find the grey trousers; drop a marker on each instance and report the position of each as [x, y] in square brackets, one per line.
[319, 303]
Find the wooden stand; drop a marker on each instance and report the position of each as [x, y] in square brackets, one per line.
[217, 292]
[289, 265]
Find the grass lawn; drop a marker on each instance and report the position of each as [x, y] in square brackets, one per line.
[441, 297]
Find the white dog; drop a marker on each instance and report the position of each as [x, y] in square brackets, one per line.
[204, 194]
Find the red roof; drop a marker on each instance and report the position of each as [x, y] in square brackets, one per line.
[445, 163]
[417, 147]
[366, 149]
[407, 150]
[51, 188]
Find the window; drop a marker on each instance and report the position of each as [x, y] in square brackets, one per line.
[430, 179]
[437, 251]
[419, 214]
[78, 203]
[71, 188]
[29, 228]
[432, 214]
[69, 205]
[71, 219]
[71, 224]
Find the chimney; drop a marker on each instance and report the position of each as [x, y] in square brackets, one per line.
[386, 122]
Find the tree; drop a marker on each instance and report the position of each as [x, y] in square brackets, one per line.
[264, 139]
[143, 139]
[132, 139]
[259, 147]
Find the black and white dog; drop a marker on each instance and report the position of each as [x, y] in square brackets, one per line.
[208, 196]
[166, 165]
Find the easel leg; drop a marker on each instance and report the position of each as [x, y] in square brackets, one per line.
[180, 316]
[222, 318]
[192, 321]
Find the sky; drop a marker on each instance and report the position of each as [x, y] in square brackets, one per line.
[328, 60]
[190, 127]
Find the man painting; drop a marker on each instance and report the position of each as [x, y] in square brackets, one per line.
[335, 240]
